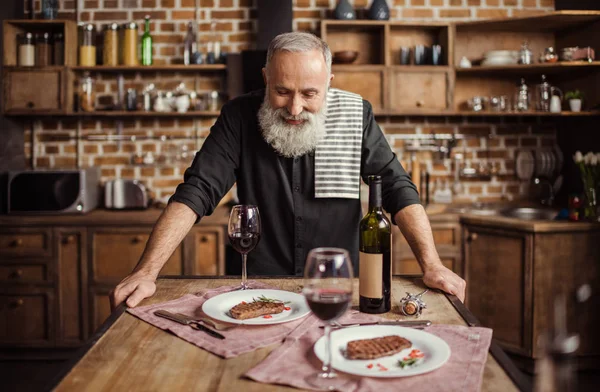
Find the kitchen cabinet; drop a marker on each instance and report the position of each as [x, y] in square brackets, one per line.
[22, 93]
[513, 277]
[56, 273]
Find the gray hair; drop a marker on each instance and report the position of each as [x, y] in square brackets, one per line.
[299, 42]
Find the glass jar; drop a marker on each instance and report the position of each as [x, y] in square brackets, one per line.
[49, 9]
[26, 50]
[87, 47]
[87, 93]
[130, 45]
[110, 50]
[43, 50]
[59, 49]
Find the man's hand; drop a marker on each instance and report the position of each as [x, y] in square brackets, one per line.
[440, 277]
[133, 289]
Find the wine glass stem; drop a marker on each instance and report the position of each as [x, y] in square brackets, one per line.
[244, 274]
[327, 362]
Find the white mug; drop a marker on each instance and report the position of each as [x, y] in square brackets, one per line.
[555, 106]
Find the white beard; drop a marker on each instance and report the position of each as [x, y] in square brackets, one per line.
[291, 141]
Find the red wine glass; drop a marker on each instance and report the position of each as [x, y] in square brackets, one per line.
[244, 233]
[328, 292]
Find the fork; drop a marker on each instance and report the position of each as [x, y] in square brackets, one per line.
[215, 325]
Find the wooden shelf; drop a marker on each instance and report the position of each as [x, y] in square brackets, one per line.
[153, 68]
[357, 67]
[37, 22]
[420, 68]
[442, 113]
[120, 114]
[549, 68]
[551, 22]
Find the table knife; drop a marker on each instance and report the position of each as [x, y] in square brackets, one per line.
[185, 321]
[400, 323]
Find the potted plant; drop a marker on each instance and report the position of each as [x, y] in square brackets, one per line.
[574, 97]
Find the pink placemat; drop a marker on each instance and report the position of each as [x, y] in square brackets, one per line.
[237, 341]
[293, 361]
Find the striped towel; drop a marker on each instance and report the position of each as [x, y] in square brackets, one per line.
[337, 157]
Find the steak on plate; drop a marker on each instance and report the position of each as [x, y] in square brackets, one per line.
[376, 347]
[250, 310]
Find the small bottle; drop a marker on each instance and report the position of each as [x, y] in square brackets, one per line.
[191, 46]
[43, 50]
[26, 50]
[147, 44]
[110, 50]
[375, 259]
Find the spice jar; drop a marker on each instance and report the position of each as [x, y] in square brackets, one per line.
[26, 50]
[87, 94]
[130, 46]
[59, 49]
[110, 50]
[43, 50]
[87, 48]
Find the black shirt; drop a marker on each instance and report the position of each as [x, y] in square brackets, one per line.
[293, 220]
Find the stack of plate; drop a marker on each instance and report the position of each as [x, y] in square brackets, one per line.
[500, 57]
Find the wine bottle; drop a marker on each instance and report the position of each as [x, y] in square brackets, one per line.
[375, 259]
[190, 45]
[147, 44]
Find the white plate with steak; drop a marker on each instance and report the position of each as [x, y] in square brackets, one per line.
[256, 307]
[384, 351]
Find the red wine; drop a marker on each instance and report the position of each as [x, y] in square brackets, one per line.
[375, 245]
[244, 242]
[328, 305]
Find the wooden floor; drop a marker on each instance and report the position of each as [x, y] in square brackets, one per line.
[33, 376]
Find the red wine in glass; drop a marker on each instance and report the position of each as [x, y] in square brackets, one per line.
[243, 230]
[328, 305]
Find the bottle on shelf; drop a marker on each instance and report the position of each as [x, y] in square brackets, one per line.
[26, 50]
[59, 49]
[190, 45]
[43, 50]
[87, 48]
[147, 44]
[375, 260]
[130, 47]
[110, 49]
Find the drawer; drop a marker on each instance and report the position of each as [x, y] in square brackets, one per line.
[23, 273]
[26, 318]
[116, 254]
[25, 244]
[22, 92]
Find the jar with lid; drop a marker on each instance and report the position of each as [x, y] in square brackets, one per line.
[87, 47]
[110, 50]
[43, 50]
[525, 55]
[26, 53]
[130, 44]
[58, 49]
[87, 93]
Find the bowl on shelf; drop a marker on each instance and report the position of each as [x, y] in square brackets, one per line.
[345, 57]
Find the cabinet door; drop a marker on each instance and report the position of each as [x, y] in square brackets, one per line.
[116, 252]
[30, 91]
[497, 263]
[26, 317]
[21, 242]
[71, 293]
[209, 255]
[412, 91]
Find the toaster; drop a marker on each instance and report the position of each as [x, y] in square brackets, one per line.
[125, 194]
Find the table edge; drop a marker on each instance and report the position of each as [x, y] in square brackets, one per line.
[497, 352]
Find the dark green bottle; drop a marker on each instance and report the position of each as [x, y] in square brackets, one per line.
[375, 246]
[147, 44]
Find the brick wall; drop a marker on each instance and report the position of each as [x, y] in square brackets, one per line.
[173, 141]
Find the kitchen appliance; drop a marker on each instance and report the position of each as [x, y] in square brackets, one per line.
[52, 191]
[122, 194]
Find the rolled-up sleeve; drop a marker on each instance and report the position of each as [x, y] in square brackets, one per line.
[213, 171]
[398, 191]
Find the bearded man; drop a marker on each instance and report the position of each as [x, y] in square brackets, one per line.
[297, 150]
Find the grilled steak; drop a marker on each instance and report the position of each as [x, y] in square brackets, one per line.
[249, 310]
[377, 347]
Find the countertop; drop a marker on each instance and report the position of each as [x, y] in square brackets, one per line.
[437, 214]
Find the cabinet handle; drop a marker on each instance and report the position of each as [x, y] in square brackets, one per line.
[420, 103]
[17, 303]
[204, 239]
[69, 239]
[137, 239]
[30, 105]
[17, 274]
[16, 243]
[472, 237]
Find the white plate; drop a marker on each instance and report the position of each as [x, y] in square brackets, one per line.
[218, 307]
[437, 351]
[525, 164]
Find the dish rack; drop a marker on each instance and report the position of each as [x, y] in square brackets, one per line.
[538, 163]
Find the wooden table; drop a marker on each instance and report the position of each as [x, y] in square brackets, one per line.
[127, 353]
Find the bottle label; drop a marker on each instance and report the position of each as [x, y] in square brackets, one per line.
[371, 273]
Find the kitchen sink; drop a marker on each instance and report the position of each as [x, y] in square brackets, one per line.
[475, 209]
[530, 213]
